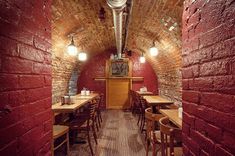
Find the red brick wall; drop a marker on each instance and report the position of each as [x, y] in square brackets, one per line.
[25, 78]
[209, 78]
[96, 67]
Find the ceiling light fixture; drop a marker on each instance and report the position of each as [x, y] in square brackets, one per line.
[142, 58]
[82, 56]
[153, 50]
[72, 49]
[101, 14]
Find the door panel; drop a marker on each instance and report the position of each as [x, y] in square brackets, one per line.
[118, 93]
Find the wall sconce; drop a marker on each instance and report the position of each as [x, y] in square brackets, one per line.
[153, 50]
[72, 49]
[142, 58]
[82, 56]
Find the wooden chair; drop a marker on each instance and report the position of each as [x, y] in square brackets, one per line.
[85, 123]
[58, 132]
[95, 119]
[152, 135]
[133, 101]
[143, 106]
[139, 109]
[99, 116]
[168, 135]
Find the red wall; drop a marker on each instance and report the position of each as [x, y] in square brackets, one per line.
[96, 67]
[209, 78]
[25, 78]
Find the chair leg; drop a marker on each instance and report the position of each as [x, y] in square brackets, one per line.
[73, 136]
[94, 133]
[138, 119]
[89, 142]
[67, 138]
[96, 123]
[133, 108]
[154, 149]
[100, 117]
[143, 123]
[147, 148]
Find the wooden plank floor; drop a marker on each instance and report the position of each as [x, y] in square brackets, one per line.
[119, 136]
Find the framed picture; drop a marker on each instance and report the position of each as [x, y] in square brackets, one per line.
[119, 68]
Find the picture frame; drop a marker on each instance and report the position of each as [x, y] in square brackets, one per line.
[119, 68]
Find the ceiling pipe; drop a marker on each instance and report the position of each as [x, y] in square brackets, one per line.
[128, 20]
[117, 6]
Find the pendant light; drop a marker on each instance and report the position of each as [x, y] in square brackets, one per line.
[72, 49]
[153, 50]
[82, 56]
[142, 58]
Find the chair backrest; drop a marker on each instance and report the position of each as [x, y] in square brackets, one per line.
[133, 96]
[138, 99]
[168, 134]
[151, 119]
[143, 103]
[101, 100]
[93, 107]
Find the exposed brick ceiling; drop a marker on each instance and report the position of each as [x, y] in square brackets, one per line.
[80, 19]
[150, 21]
[147, 23]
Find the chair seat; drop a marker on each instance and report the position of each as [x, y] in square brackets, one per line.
[177, 151]
[77, 122]
[158, 137]
[59, 130]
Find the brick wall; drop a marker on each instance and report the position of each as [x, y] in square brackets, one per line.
[95, 67]
[62, 69]
[209, 78]
[170, 84]
[25, 78]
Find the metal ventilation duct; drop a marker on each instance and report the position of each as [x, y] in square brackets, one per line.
[117, 7]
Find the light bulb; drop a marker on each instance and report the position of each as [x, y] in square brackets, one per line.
[72, 50]
[142, 59]
[153, 51]
[82, 56]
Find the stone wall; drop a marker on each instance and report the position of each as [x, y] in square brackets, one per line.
[209, 78]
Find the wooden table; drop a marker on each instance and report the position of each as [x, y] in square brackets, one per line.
[80, 100]
[172, 114]
[156, 100]
[144, 93]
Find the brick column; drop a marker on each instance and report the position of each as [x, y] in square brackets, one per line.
[208, 78]
[25, 78]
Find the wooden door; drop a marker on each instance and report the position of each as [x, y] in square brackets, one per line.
[118, 93]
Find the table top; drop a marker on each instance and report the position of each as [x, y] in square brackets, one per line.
[172, 114]
[144, 93]
[157, 100]
[80, 100]
[91, 96]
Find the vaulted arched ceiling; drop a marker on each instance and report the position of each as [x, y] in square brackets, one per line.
[149, 21]
[80, 18]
